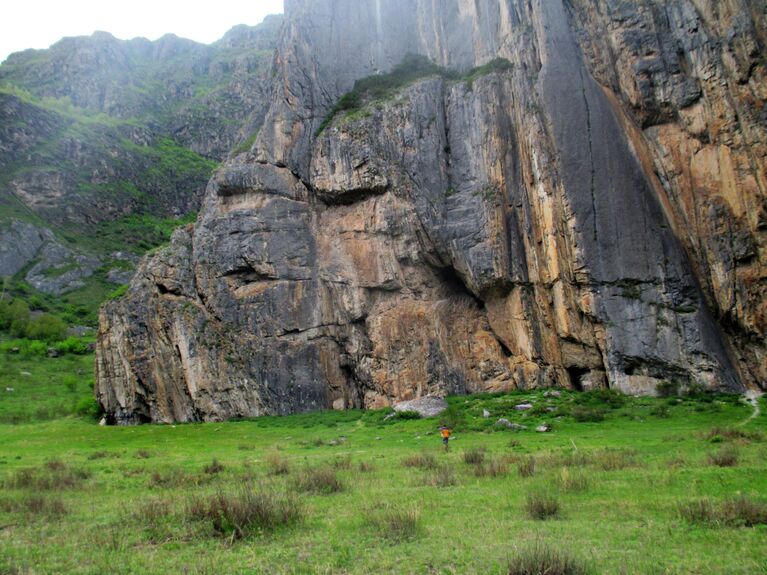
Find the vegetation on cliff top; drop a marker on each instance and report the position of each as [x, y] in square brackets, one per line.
[412, 68]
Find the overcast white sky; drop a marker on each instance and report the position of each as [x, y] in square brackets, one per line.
[40, 23]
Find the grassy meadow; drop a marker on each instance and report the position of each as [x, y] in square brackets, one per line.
[620, 485]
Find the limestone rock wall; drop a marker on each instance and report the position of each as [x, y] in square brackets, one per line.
[514, 228]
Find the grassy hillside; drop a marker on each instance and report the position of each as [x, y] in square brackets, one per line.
[620, 485]
[110, 143]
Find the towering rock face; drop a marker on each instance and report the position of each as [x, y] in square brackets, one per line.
[587, 212]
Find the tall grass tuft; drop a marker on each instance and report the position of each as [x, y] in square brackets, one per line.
[540, 505]
[214, 467]
[394, 523]
[245, 513]
[319, 480]
[474, 456]
[277, 464]
[442, 476]
[725, 457]
[423, 460]
[542, 559]
[491, 468]
[526, 467]
[34, 505]
[738, 511]
[54, 475]
[568, 480]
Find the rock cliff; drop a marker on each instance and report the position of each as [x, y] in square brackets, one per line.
[448, 197]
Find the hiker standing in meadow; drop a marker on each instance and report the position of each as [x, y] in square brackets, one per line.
[445, 432]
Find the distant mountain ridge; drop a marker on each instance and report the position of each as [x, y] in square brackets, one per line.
[96, 130]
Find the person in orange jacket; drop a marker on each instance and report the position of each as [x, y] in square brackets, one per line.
[445, 432]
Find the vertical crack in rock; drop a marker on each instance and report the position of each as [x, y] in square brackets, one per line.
[591, 160]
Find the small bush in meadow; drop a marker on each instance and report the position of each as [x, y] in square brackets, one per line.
[423, 460]
[474, 456]
[245, 513]
[143, 454]
[526, 467]
[319, 480]
[214, 467]
[542, 559]
[541, 505]
[394, 523]
[441, 476]
[277, 464]
[725, 457]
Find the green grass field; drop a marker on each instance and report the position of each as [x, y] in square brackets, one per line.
[350, 492]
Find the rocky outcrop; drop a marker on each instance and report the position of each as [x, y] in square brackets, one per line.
[485, 227]
[19, 244]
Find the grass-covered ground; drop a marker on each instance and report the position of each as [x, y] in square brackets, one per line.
[620, 485]
[36, 388]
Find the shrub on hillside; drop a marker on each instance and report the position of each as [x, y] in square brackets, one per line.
[46, 327]
[14, 313]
